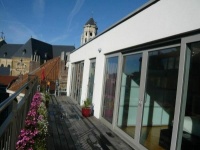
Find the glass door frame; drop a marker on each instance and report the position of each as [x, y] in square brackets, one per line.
[181, 94]
[90, 68]
[142, 96]
[121, 133]
[72, 80]
[108, 124]
[182, 86]
[76, 85]
[145, 54]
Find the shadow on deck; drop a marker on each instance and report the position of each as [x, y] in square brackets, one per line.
[69, 130]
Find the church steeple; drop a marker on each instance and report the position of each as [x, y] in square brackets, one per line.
[89, 31]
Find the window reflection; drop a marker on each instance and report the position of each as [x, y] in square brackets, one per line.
[160, 97]
[110, 86]
[91, 81]
[191, 125]
[77, 75]
[129, 95]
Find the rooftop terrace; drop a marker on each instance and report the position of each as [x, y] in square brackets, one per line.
[68, 129]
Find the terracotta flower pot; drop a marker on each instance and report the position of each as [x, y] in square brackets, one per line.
[86, 112]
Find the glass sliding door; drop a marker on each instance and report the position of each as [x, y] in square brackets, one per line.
[190, 126]
[72, 81]
[129, 93]
[111, 70]
[79, 82]
[159, 98]
[77, 75]
[91, 79]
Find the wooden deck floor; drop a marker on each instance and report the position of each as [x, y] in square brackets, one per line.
[68, 130]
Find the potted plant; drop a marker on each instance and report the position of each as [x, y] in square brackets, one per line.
[87, 108]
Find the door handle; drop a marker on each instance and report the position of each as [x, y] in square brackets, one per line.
[140, 102]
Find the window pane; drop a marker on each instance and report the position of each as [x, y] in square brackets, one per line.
[91, 80]
[110, 86]
[160, 97]
[191, 125]
[77, 75]
[129, 95]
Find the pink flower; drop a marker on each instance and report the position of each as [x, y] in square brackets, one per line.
[40, 117]
[27, 136]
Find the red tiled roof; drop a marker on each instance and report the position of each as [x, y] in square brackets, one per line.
[5, 80]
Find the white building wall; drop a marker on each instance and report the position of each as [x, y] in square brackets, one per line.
[163, 19]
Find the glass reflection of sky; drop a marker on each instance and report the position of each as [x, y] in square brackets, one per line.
[112, 65]
[133, 64]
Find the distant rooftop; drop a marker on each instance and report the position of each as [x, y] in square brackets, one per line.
[31, 47]
[8, 50]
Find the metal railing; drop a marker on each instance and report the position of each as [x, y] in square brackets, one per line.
[13, 112]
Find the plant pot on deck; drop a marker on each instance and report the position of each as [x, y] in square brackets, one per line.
[86, 111]
[87, 108]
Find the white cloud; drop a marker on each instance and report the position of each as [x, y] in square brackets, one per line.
[75, 10]
[38, 8]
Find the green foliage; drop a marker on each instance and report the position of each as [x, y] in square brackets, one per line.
[40, 144]
[42, 126]
[47, 96]
[87, 103]
[42, 88]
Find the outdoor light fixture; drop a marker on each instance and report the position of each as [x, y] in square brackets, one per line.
[99, 50]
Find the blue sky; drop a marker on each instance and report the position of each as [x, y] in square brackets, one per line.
[59, 22]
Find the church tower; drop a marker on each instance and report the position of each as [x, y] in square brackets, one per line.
[89, 31]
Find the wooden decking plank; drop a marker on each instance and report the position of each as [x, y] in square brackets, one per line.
[56, 137]
[73, 133]
[61, 135]
[55, 134]
[77, 132]
[77, 129]
[82, 130]
[60, 129]
[94, 133]
[66, 139]
[103, 132]
[50, 141]
[70, 142]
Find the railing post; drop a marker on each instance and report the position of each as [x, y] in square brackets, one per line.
[13, 128]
